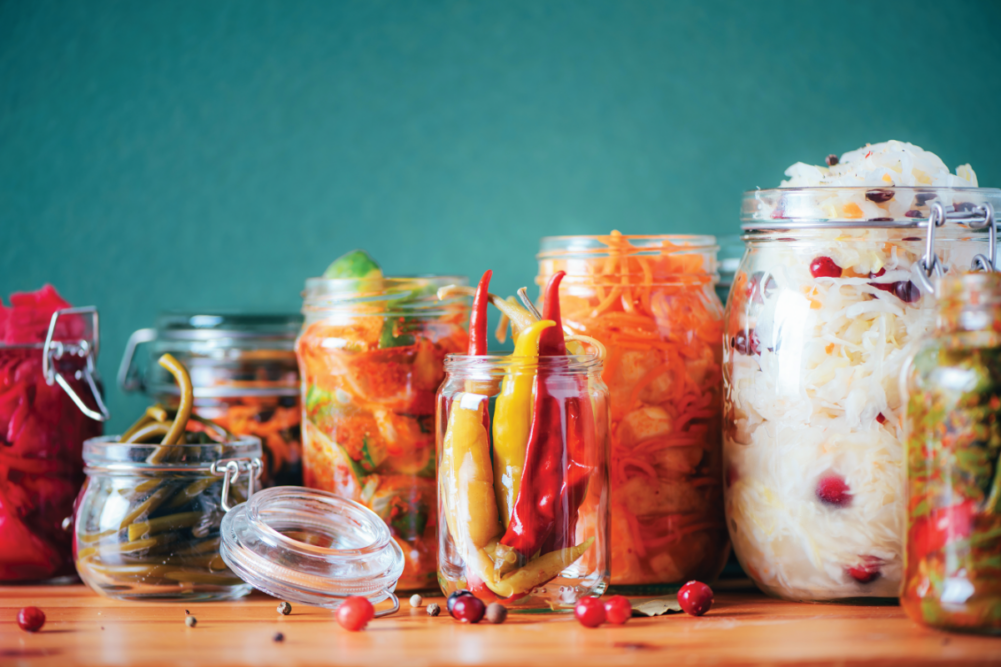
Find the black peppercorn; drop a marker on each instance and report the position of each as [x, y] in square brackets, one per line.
[284, 608]
[496, 613]
[279, 637]
[831, 160]
[434, 609]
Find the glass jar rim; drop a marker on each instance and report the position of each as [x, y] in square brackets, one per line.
[384, 296]
[109, 454]
[805, 208]
[255, 547]
[498, 362]
[591, 245]
[214, 324]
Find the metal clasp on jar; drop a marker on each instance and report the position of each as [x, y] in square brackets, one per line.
[230, 470]
[930, 264]
[53, 350]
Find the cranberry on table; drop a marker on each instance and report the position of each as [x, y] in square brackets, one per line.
[355, 613]
[590, 612]
[455, 596]
[31, 619]
[824, 267]
[695, 598]
[833, 490]
[468, 609]
[618, 610]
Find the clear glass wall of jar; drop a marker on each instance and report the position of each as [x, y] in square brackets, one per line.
[371, 355]
[650, 301]
[43, 425]
[485, 507]
[952, 578]
[244, 372]
[146, 530]
[823, 307]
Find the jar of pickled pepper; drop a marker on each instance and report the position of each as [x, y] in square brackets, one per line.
[650, 300]
[245, 377]
[952, 557]
[371, 354]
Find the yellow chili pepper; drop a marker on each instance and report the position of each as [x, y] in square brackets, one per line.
[513, 418]
[537, 571]
[468, 477]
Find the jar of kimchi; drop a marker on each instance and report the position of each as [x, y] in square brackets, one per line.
[832, 292]
[50, 402]
[650, 300]
[244, 374]
[953, 394]
[371, 354]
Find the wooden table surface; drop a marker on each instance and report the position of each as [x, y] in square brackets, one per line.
[742, 629]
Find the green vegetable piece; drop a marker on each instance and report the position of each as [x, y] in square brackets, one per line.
[356, 264]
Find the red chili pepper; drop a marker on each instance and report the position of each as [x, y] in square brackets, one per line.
[555, 475]
[478, 318]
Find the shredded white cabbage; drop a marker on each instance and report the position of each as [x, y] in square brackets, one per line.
[819, 396]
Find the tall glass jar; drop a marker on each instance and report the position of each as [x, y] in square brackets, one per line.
[952, 578]
[244, 373]
[487, 505]
[829, 295]
[50, 402]
[149, 529]
[371, 354]
[650, 301]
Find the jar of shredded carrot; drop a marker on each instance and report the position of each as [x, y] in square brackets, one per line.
[651, 301]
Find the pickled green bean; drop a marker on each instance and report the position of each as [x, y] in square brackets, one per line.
[163, 523]
[150, 430]
[190, 492]
[146, 507]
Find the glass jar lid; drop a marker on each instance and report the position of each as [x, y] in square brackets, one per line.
[227, 353]
[312, 547]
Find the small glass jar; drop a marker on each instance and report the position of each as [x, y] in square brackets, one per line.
[371, 355]
[494, 539]
[952, 578]
[50, 402]
[244, 373]
[148, 531]
[830, 293]
[650, 301]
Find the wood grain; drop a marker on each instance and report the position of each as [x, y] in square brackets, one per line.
[742, 629]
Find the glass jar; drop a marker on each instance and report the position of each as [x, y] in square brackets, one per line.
[952, 577]
[495, 540]
[151, 530]
[244, 373]
[650, 301]
[371, 354]
[731, 250]
[50, 402]
[830, 293]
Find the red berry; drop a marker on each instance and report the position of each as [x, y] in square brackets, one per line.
[695, 598]
[880, 418]
[824, 267]
[468, 609]
[618, 610]
[867, 571]
[31, 619]
[455, 595]
[355, 613]
[833, 490]
[590, 612]
[746, 342]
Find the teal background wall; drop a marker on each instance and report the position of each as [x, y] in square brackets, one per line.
[191, 154]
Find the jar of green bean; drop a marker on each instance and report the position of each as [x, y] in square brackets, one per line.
[147, 521]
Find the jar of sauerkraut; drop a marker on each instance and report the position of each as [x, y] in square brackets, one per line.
[953, 388]
[371, 356]
[833, 289]
[650, 301]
